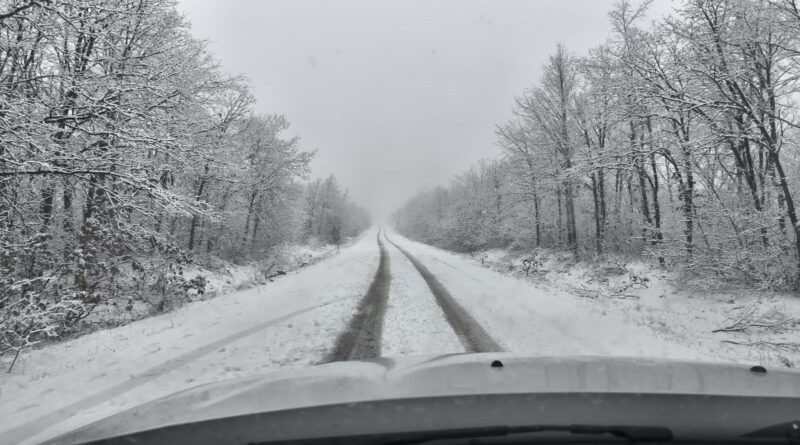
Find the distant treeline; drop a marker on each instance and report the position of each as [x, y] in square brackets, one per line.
[679, 141]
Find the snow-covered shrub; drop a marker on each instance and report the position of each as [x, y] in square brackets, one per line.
[532, 263]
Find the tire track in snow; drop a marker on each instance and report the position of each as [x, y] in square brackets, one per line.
[414, 322]
[361, 339]
[472, 335]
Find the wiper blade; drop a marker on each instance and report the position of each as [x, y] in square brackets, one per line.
[789, 431]
[633, 434]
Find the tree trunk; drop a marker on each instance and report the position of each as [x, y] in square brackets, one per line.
[46, 206]
[572, 232]
[597, 225]
[688, 204]
[66, 198]
[601, 188]
[559, 225]
[642, 175]
[536, 215]
[249, 215]
[745, 167]
[659, 236]
[221, 229]
[645, 204]
[196, 217]
[193, 230]
[790, 209]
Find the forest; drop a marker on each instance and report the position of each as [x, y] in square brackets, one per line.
[126, 153]
[675, 140]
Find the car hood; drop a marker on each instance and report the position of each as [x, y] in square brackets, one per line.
[448, 375]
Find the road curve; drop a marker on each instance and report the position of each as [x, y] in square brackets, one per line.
[361, 339]
[472, 335]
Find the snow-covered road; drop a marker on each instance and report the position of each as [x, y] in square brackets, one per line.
[414, 323]
[298, 321]
[526, 318]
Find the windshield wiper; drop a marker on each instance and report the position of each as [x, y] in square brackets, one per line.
[789, 431]
[633, 434]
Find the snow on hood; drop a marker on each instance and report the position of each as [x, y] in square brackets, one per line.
[447, 375]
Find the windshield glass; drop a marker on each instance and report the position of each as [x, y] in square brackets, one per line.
[193, 191]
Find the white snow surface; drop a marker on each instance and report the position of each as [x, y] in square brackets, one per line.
[294, 322]
[413, 323]
[291, 322]
[540, 321]
[665, 306]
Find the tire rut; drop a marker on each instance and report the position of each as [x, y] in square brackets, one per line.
[473, 336]
[361, 339]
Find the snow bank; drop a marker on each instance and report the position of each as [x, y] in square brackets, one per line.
[209, 277]
[539, 320]
[291, 322]
[637, 293]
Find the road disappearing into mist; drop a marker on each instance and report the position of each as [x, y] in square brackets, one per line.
[382, 295]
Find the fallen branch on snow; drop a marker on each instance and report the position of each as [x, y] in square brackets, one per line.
[624, 296]
[585, 292]
[772, 321]
[775, 346]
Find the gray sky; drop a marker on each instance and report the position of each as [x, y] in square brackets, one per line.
[395, 96]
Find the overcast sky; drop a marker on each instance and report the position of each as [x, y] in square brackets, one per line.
[394, 96]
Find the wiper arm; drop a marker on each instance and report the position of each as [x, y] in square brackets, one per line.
[633, 434]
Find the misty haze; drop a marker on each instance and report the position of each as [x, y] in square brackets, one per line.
[399, 221]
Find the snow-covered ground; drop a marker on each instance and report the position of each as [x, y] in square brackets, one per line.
[539, 320]
[636, 293]
[223, 277]
[295, 321]
[414, 323]
[291, 322]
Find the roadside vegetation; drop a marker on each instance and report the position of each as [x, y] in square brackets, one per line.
[127, 157]
[728, 320]
[677, 142]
